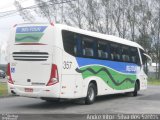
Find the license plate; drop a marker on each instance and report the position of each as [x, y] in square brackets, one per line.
[28, 89]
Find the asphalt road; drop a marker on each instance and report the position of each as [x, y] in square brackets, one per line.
[147, 102]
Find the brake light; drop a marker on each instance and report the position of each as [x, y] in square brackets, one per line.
[9, 74]
[52, 23]
[54, 76]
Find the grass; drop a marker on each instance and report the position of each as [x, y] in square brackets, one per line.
[153, 81]
[3, 89]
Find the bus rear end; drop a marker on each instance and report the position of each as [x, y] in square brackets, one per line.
[32, 68]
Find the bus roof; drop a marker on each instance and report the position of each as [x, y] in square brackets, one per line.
[90, 33]
[100, 35]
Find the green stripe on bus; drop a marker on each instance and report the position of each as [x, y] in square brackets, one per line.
[115, 79]
[32, 37]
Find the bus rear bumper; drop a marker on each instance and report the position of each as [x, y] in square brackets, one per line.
[34, 91]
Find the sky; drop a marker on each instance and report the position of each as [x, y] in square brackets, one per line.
[6, 23]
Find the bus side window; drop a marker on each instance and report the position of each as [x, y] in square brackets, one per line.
[133, 52]
[144, 61]
[87, 47]
[134, 56]
[125, 54]
[112, 52]
[102, 50]
[69, 42]
[115, 52]
[75, 50]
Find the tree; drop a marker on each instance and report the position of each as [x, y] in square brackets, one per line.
[75, 13]
[26, 14]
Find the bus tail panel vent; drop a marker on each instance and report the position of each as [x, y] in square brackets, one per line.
[30, 56]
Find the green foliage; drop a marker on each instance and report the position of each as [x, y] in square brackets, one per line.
[3, 89]
[153, 81]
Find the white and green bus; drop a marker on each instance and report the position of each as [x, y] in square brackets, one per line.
[54, 61]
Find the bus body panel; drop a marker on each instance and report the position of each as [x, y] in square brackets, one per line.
[31, 62]
[103, 87]
[38, 91]
[39, 74]
[141, 75]
[33, 72]
[72, 82]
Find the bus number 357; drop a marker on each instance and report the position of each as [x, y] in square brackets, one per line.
[67, 65]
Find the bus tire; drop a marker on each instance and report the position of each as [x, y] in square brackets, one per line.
[135, 92]
[91, 94]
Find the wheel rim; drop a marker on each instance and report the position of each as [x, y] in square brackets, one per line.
[91, 94]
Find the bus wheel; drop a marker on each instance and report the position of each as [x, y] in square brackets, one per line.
[91, 94]
[135, 89]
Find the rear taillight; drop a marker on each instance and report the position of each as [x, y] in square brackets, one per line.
[54, 76]
[52, 23]
[9, 74]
